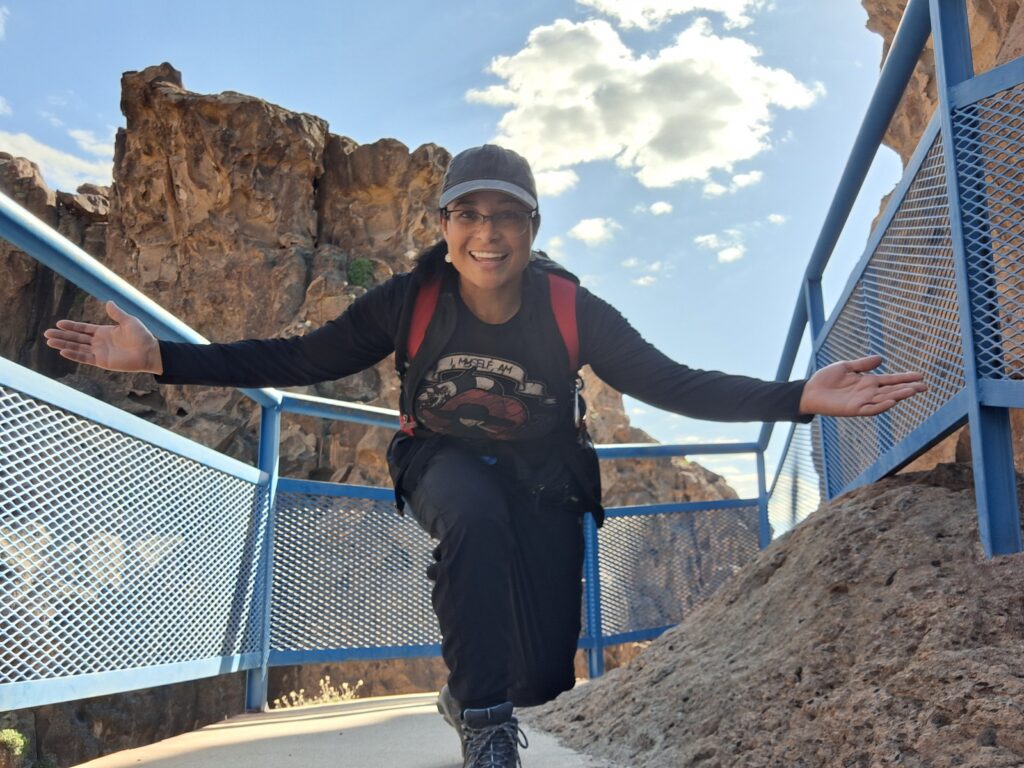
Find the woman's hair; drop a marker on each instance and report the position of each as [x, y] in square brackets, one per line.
[430, 261]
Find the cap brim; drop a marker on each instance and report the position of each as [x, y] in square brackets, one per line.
[492, 185]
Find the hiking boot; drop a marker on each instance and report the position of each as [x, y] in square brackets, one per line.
[492, 737]
[451, 711]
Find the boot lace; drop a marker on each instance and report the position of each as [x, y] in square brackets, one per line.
[495, 746]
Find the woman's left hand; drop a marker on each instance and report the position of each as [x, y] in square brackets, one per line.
[844, 389]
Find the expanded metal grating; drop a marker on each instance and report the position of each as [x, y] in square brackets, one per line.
[904, 307]
[348, 573]
[989, 141]
[656, 568]
[116, 554]
[800, 484]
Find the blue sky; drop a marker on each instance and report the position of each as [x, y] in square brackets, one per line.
[689, 148]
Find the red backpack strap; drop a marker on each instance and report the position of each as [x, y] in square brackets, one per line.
[563, 304]
[422, 311]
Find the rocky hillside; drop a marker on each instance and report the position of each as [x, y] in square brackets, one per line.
[874, 634]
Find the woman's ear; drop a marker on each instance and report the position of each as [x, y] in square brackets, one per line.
[444, 225]
[535, 225]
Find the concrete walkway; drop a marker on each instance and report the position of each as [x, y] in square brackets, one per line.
[385, 732]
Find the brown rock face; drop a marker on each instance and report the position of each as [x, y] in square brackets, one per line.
[997, 36]
[32, 297]
[876, 633]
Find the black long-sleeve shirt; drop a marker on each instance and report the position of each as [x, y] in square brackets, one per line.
[365, 333]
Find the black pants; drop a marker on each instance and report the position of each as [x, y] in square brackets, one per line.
[507, 573]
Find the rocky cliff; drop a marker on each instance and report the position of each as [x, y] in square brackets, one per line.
[248, 220]
[997, 36]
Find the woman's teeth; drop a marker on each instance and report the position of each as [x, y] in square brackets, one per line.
[486, 256]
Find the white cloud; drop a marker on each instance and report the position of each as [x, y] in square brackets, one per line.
[89, 143]
[60, 169]
[648, 14]
[577, 93]
[655, 266]
[732, 253]
[590, 281]
[594, 231]
[52, 119]
[554, 183]
[729, 245]
[4, 13]
[554, 248]
[777, 218]
[709, 241]
[5, 108]
[739, 181]
[645, 281]
[660, 208]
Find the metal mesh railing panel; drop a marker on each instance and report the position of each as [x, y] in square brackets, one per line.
[989, 141]
[655, 568]
[800, 485]
[348, 573]
[114, 553]
[904, 307]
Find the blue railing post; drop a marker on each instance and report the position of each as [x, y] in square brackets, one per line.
[764, 528]
[815, 303]
[871, 296]
[995, 487]
[592, 574]
[270, 440]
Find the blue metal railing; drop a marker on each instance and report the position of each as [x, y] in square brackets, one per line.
[287, 584]
[102, 575]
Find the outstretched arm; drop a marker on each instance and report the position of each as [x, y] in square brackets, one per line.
[845, 389]
[360, 337]
[127, 345]
[621, 357]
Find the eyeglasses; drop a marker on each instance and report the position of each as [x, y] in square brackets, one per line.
[511, 223]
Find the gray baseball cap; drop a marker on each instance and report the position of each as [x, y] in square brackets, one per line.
[489, 167]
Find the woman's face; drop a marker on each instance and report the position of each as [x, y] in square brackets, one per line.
[489, 255]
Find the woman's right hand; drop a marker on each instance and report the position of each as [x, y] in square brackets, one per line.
[125, 346]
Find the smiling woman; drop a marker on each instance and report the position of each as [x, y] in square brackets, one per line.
[493, 458]
[489, 235]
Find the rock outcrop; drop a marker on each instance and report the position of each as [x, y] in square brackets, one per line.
[32, 297]
[997, 36]
[876, 633]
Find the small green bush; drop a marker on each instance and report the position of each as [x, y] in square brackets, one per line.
[360, 272]
[46, 762]
[12, 742]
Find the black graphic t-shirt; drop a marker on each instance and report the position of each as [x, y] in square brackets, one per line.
[505, 394]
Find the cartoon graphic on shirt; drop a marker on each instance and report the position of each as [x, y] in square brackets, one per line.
[475, 396]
